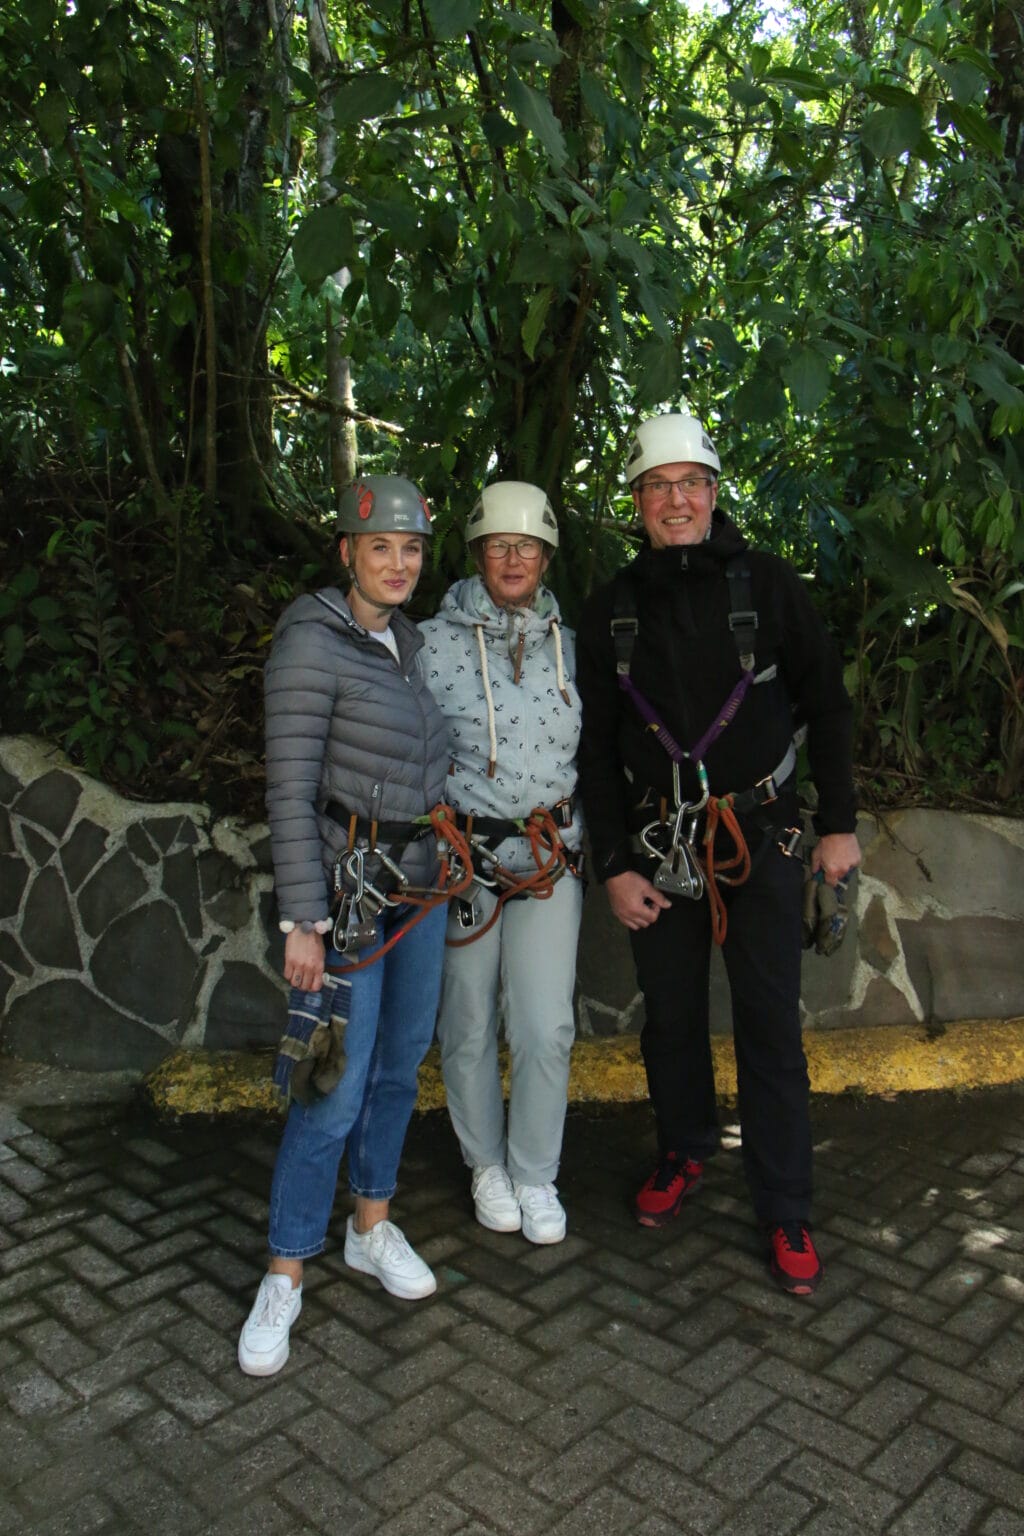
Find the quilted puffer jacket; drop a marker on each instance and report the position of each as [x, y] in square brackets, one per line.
[345, 722]
[504, 680]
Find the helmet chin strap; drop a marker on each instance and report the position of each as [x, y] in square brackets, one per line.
[370, 601]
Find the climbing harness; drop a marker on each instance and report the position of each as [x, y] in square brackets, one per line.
[551, 859]
[683, 870]
[359, 902]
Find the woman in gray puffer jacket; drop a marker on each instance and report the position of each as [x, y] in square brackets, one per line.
[354, 740]
[500, 665]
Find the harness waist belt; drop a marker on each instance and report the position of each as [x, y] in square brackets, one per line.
[768, 788]
[500, 827]
[387, 831]
[763, 793]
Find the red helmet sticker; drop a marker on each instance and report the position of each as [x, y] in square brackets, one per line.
[426, 510]
[365, 501]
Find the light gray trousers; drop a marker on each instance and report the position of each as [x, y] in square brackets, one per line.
[528, 962]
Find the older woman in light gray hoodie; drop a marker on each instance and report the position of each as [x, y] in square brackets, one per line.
[500, 665]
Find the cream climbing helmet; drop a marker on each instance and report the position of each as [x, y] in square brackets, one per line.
[513, 506]
[669, 440]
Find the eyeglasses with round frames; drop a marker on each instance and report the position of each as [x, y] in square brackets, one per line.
[526, 549]
[658, 490]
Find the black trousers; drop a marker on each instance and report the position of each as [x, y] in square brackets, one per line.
[762, 953]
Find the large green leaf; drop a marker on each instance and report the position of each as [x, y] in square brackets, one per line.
[891, 131]
[635, 257]
[724, 338]
[657, 373]
[745, 92]
[536, 315]
[760, 399]
[452, 18]
[807, 375]
[965, 81]
[324, 243]
[972, 125]
[398, 218]
[14, 646]
[367, 96]
[385, 301]
[892, 95]
[990, 378]
[534, 112]
[805, 84]
[431, 310]
[540, 259]
[651, 304]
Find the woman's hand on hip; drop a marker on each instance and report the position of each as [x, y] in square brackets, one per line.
[304, 957]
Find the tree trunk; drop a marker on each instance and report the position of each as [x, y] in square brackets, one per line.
[341, 438]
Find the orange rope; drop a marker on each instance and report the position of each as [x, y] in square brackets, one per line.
[720, 812]
[548, 855]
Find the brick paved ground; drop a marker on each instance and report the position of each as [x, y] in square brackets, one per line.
[623, 1381]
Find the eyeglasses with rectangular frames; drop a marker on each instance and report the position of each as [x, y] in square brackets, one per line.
[526, 549]
[691, 486]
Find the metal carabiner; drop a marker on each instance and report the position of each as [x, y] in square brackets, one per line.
[355, 868]
[483, 855]
[392, 869]
[648, 841]
[702, 779]
[353, 930]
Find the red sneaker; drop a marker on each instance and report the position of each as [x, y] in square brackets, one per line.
[792, 1258]
[661, 1198]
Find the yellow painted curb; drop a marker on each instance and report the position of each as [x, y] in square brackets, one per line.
[977, 1053]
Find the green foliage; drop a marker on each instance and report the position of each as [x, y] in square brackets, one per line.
[531, 226]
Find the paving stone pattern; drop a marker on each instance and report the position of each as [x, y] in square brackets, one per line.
[628, 1381]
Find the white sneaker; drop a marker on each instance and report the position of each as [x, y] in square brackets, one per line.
[385, 1253]
[494, 1199]
[263, 1344]
[542, 1212]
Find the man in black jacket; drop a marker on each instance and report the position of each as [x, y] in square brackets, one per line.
[695, 665]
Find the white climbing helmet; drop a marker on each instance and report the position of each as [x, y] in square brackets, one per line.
[669, 440]
[513, 506]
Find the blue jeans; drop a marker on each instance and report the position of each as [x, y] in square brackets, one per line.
[390, 1027]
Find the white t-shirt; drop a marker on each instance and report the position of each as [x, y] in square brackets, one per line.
[387, 637]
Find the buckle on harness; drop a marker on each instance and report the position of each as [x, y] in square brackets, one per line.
[770, 788]
[789, 841]
[624, 632]
[561, 811]
[745, 617]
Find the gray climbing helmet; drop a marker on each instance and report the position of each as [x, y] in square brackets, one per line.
[383, 504]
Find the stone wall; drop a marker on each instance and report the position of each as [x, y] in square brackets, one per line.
[127, 930]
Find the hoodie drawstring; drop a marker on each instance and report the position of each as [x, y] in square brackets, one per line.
[492, 734]
[556, 635]
[517, 672]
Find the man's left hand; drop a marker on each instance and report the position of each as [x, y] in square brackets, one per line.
[837, 855]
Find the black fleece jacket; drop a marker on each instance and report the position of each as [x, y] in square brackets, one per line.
[685, 663]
